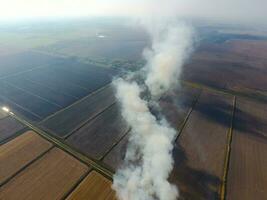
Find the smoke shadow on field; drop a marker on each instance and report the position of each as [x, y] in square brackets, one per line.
[192, 183]
[248, 123]
[244, 122]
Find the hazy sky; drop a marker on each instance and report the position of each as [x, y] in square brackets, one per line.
[254, 11]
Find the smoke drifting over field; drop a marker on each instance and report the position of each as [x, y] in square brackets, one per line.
[148, 161]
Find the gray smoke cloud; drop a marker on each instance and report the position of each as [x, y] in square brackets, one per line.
[148, 161]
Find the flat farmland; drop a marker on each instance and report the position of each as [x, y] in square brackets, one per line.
[90, 81]
[35, 91]
[8, 127]
[50, 177]
[68, 120]
[33, 103]
[199, 153]
[19, 152]
[94, 186]
[51, 95]
[99, 135]
[18, 63]
[230, 65]
[56, 82]
[19, 110]
[247, 178]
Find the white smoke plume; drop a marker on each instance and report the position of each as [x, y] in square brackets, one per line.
[148, 161]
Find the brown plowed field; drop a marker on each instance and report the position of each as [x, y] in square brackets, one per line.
[200, 150]
[247, 176]
[20, 151]
[93, 187]
[50, 177]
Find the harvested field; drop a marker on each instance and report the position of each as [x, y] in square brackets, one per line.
[35, 104]
[199, 154]
[95, 187]
[71, 118]
[247, 177]
[8, 127]
[19, 152]
[50, 177]
[99, 135]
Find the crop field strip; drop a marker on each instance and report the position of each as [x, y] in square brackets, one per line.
[51, 95]
[94, 186]
[76, 102]
[199, 163]
[19, 110]
[246, 178]
[9, 127]
[67, 121]
[19, 153]
[26, 112]
[19, 87]
[98, 136]
[53, 168]
[180, 113]
[36, 149]
[20, 62]
[30, 102]
[260, 97]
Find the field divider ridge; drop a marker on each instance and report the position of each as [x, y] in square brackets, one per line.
[180, 129]
[82, 124]
[222, 189]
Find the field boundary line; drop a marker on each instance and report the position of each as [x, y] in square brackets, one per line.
[76, 102]
[188, 115]
[65, 147]
[115, 144]
[83, 123]
[27, 165]
[77, 183]
[227, 154]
